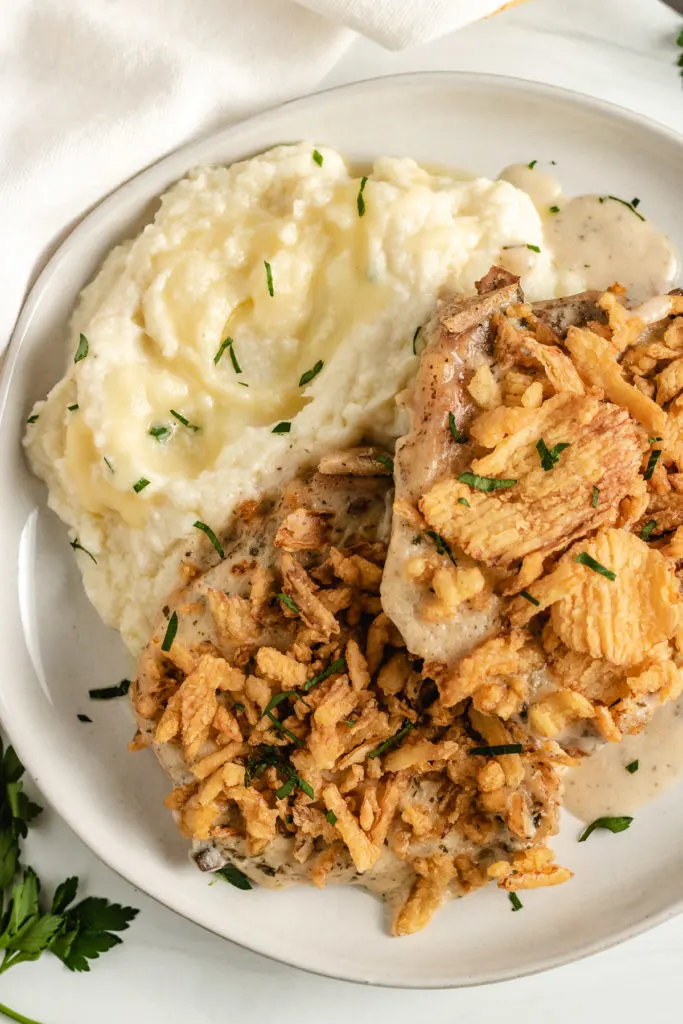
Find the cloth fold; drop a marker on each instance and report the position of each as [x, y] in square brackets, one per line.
[95, 90]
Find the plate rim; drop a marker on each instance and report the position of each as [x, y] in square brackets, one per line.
[28, 307]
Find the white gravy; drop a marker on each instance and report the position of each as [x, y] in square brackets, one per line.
[595, 240]
[602, 786]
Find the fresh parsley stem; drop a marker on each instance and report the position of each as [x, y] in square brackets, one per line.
[13, 1015]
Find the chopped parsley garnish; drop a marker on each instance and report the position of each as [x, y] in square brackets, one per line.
[618, 824]
[553, 209]
[585, 559]
[160, 432]
[457, 435]
[596, 497]
[286, 600]
[77, 546]
[221, 350]
[392, 741]
[237, 706]
[108, 463]
[199, 525]
[632, 767]
[72, 408]
[515, 901]
[308, 376]
[442, 546]
[277, 700]
[83, 718]
[530, 598]
[485, 483]
[497, 750]
[82, 350]
[289, 819]
[549, 457]
[679, 40]
[635, 202]
[282, 428]
[415, 337]
[337, 666]
[171, 631]
[532, 164]
[233, 359]
[281, 728]
[269, 278]
[34, 418]
[629, 206]
[305, 788]
[235, 877]
[464, 501]
[647, 529]
[653, 440]
[185, 422]
[140, 485]
[331, 817]
[655, 456]
[360, 200]
[317, 157]
[385, 461]
[534, 248]
[109, 692]
[285, 789]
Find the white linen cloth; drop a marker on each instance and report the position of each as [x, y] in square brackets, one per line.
[91, 91]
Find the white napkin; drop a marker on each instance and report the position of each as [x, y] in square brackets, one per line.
[94, 90]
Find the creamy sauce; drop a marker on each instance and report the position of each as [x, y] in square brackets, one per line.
[602, 786]
[594, 240]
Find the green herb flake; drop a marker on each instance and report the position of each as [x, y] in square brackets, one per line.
[305, 788]
[72, 408]
[553, 209]
[415, 337]
[653, 440]
[282, 428]
[617, 824]
[655, 456]
[182, 419]
[679, 39]
[360, 199]
[497, 750]
[110, 692]
[550, 457]
[108, 463]
[160, 432]
[317, 157]
[635, 203]
[385, 461]
[199, 525]
[289, 819]
[140, 485]
[456, 434]
[221, 350]
[336, 666]
[84, 718]
[237, 707]
[331, 817]
[530, 598]
[82, 350]
[532, 164]
[485, 483]
[585, 559]
[515, 901]
[285, 789]
[464, 501]
[283, 729]
[392, 741]
[647, 529]
[34, 418]
[77, 546]
[534, 248]
[286, 600]
[629, 206]
[308, 376]
[269, 278]
[171, 631]
[632, 767]
[235, 877]
[442, 546]
[596, 497]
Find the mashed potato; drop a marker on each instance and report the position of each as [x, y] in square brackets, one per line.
[160, 420]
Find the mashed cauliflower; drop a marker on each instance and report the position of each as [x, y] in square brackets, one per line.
[160, 420]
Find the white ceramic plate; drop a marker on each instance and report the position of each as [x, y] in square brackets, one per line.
[53, 647]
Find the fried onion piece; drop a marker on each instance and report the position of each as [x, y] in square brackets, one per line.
[300, 587]
[232, 616]
[364, 852]
[434, 874]
[302, 530]
[544, 507]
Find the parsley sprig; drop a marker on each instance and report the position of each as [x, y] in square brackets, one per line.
[75, 933]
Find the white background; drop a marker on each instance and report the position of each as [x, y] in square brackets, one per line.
[169, 970]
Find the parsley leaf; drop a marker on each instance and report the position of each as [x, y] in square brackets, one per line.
[596, 497]
[160, 432]
[282, 428]
[583, 558]
[530, 598]
[385, 461]
[337, 666]
[109, 692]
[77, 546]
[185, 422]
[269, 278]
[655, 456]
[360, 199]
[497, 749]
[532, 164]
[331, 817]
[553, 209]
[616, 824]
[171, 631]
[550, 458]
[308, 376]
[140, 485]
[199, 525]
[632, 767]
[629, 206]
[317, 158]
[286, 600]
[485, 483]
[647, 529]
[515, 901]
[392, 741]
[442, 546]
[235, 877]
[456, 434]
[534, 248]
[82, 350]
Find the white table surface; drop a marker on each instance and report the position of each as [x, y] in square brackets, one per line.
[169, 970]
